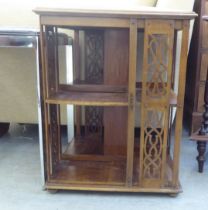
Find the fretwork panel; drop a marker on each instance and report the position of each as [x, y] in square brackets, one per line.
[94, 56]
[52, 86]
[52, 62]
[157, 66]
[156, 78]
[94, 65]
[153, 142]
[94, 119]
[54, 134]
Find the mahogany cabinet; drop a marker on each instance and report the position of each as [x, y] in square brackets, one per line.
[105, 153]
[197, 68]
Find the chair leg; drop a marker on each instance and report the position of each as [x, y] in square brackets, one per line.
[201, 147]
[4, 127]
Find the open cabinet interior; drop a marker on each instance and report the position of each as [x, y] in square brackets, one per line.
[98, 97]
[97, 155]
[116, 97]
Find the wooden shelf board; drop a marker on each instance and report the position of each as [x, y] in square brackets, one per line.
[102, 176]
[89, 98]
[83, 86]
[109, 188]
[98, 98]
[78, 169]
[84, 167]
[90, 172]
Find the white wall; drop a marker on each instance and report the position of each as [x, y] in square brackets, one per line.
[18, 13]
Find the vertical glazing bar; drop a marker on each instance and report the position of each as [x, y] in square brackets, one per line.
[43, 84]
[144, 76]
[77, 74]
[40, 110]
[56, 46]
[131, 100]
[51, 72]
[180, 100]
[170, 49]
[56, 55]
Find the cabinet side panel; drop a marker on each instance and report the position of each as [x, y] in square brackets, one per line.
[156, 81]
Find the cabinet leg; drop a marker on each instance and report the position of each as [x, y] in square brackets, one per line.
[52, 191]
[4, 127]
[201, 147]
[173, 195]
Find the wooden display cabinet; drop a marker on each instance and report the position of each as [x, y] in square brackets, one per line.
[105, 154]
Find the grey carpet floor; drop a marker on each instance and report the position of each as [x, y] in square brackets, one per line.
[20, 182]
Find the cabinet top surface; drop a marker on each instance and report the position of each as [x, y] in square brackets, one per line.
[138, 12]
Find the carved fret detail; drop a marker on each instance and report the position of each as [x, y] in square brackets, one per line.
[153, 143]
[54, 135]
[156, 78]
[94, 47]
[94, 119]
[51, 64]
[94, 58]
[157, 67]
[52, 86]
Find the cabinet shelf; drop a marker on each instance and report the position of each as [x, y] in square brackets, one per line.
[93, 169]
[84, 164]
[101, 173]
[88, 98]
[98, 98]
[88, 172]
